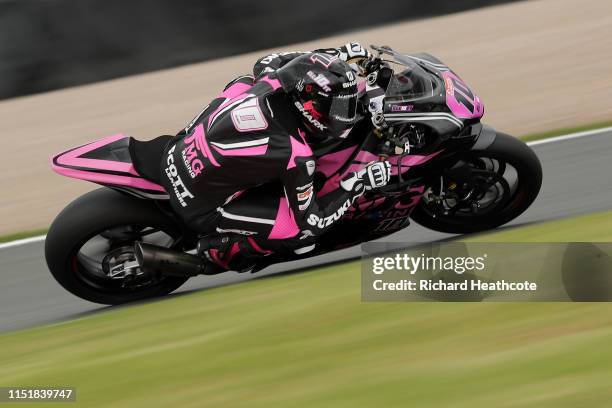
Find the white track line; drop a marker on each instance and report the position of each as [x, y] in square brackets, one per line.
[22, 241]
[534, 143]
[570, 136]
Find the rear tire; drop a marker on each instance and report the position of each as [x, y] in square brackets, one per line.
[512, 151]
[90, 215]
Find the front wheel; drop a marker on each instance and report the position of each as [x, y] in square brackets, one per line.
[89, 248]
[483, 190]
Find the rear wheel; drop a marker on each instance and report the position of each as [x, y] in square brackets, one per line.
[485, 189]
[89, 247]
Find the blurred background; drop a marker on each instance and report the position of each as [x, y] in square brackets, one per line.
[52, 44]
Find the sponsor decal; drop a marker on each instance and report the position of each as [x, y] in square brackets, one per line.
[344, 134]
[268, 59]
[351, 78]
[402, 108]
[248, 116]
[305, 195]
[192, 162]
[320, 80]
[300, 85]
[306, 234]
[450, 88]
[319, 222]
[460, 98]
[304, 198]
[324, 59]
[309, 117]
[343, 119]
[180, 191]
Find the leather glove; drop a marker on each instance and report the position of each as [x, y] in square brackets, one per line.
[377, 174]
[374, 175]
[355, 55]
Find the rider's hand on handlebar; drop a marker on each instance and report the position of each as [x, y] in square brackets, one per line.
[377, 174]
[374, 175]
[355, 55]
[370, 65]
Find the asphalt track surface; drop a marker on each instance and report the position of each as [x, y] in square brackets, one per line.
[577, 180]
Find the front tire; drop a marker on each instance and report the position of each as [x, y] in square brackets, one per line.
[106, 223]
[513, 153]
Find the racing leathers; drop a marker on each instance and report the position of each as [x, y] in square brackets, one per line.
[250, 136]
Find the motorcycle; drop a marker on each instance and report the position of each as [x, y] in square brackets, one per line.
[450, 173]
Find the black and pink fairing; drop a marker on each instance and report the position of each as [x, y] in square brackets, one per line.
[107, 162]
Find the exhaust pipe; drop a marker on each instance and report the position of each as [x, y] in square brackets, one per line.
[168, 262]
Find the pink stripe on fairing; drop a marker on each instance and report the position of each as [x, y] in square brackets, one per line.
[107, 178]
[411, 160]
[407, 161]
[246, 151]
[200, 137]
[363, 203]
[330, 185]
[235, 90]
[366, 157]
[458, 108]
[331, 162]
[274, 83]
[72, 158]
[333, 182]
[297, 150]
[284, 224]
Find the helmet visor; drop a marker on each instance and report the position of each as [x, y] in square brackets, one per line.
[343, 111]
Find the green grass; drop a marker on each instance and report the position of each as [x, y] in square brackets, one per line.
[565, 131]
[307, 340]
[594, 227]
[24, 234]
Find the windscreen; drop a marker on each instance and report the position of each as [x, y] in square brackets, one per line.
[410, 80]
[411, 83]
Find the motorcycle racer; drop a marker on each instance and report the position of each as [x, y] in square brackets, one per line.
[258, 132]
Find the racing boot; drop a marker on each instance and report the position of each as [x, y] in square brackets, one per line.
[233, 252]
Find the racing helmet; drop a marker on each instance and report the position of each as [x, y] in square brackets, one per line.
[323, 89]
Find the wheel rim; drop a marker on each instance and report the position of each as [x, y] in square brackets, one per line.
[494, 185]
[105, 261]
